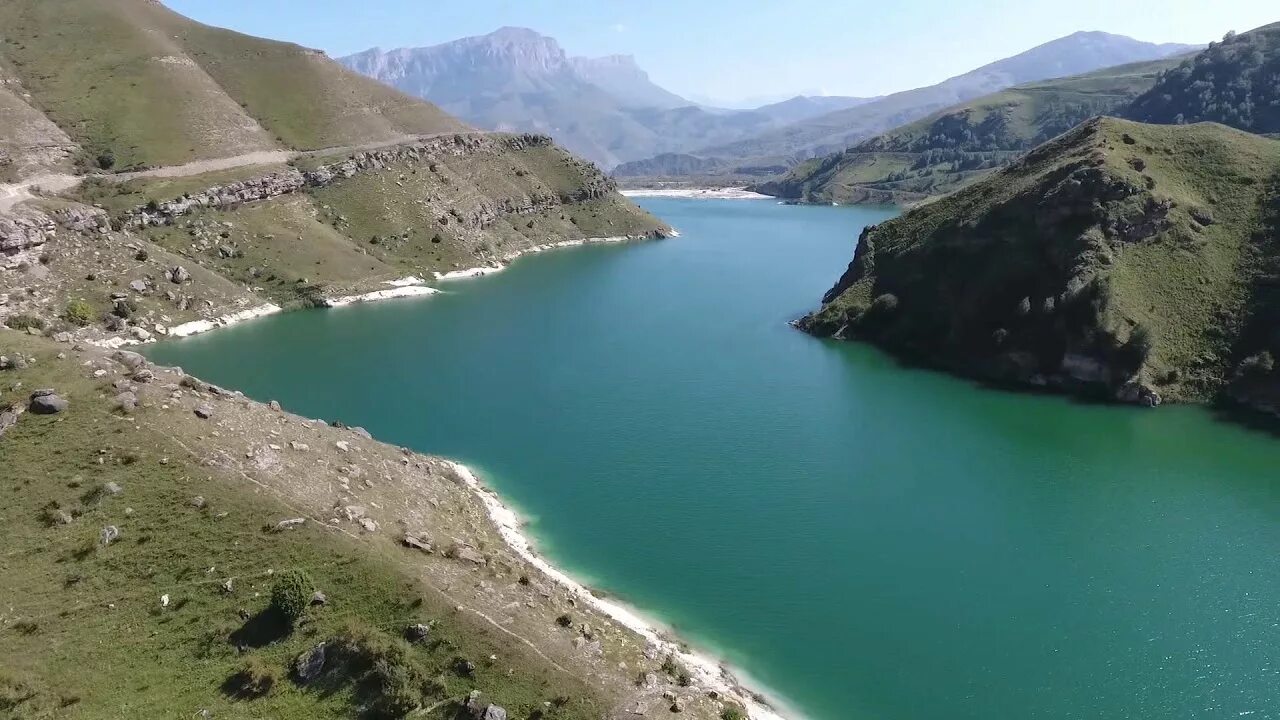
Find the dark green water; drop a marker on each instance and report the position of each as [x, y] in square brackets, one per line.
[869, 541]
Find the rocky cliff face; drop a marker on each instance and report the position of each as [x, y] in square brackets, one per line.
[1120, 261]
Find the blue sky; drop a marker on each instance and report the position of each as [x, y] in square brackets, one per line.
[736, 49]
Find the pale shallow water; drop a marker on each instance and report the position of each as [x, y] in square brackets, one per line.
[869, 541]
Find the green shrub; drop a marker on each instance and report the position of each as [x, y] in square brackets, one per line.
[385, 671]
[291, 595]
[733, 713]
[106, 161]
[24, 322]
[79, 312]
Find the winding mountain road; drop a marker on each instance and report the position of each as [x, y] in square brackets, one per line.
[14, 193]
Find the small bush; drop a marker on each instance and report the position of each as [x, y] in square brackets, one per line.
[564, 621]
[106, 161]
[24, 322]
[291, 595]
[732, 713]
[384, 671]
[254, 679]
[79, 313]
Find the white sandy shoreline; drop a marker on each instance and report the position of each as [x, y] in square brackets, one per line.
[511, 257]
[696, 193]
[707, 672]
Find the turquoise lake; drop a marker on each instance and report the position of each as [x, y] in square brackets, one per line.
[864, 539]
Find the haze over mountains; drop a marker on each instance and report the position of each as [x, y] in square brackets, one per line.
[606, 109]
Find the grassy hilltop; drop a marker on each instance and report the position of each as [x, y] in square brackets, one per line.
[1132, 261]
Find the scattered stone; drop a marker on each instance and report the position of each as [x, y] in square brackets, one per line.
[309, 664]
[362, 433]
[47, 402]
[466, 667]
[494, 712]
[343, 446]
[460, 551]
[112, 488]
[274, 405]
[417, 632]
[178, 275]
[228, 587]
[677, 706]
[143, 376]
[198, 502]
[127, 401]
[131, 360]
[369, 525]
[289, 524]
[204, 412]
[109, 535]
[164, 600]
[319, 598]
[417, 543]
[300, 447]
[138, 286]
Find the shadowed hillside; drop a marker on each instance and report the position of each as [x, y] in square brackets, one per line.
[1129, 261]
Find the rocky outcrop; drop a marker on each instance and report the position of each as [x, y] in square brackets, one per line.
[596, 184]
[23, 230]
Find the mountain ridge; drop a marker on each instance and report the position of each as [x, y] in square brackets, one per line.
[833, 132]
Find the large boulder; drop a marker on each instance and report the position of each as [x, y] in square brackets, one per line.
[47, 402]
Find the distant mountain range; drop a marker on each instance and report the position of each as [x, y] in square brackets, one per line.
[605, 109]
[769, 152]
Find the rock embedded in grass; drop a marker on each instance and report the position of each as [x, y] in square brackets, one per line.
[47, 402]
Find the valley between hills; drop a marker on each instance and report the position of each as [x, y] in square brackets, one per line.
[1106, 228]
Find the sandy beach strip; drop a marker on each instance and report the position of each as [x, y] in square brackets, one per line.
[706, 671]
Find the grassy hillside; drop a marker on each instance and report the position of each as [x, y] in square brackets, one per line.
[1235, 82]
[132, 81]
[173, 615]
[1120, 259]
[950, 148]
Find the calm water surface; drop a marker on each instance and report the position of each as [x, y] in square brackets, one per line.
[869, 541]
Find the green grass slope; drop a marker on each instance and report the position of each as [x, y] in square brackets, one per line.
[1120, 259]
[84, 630]
[1235, 82]
[133, 80]
[950, 148]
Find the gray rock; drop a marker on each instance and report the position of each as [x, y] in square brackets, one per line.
[47, 402]
[198, 502]
[319, 598]
[127, 401]
[204, 412]
[417, 543]
[465, 553]
[138, 286]
[112, 488]
[131, 360]
[8, 418]
[109, 534]
[417, 632]
[178, 275]
[289, 524]
[494, 712]
[143, 375]
[309, 664]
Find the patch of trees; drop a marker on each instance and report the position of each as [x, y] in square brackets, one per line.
[1235, 82]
